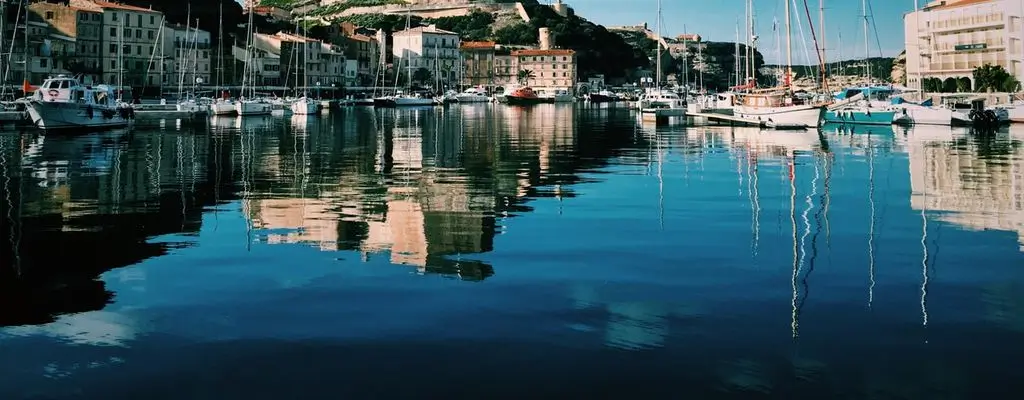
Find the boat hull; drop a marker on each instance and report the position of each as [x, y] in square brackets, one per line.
[473, 99]
[860, 116]
[923, 115]
[410, 102]
[523, 101]
[801, 115]
[600, 98]
[65, 116]
[303, 107]
[224, 109]
[245, 108]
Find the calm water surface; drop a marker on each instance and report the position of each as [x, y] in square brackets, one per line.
[490, 252]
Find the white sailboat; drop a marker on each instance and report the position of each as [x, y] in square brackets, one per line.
[222, 106]
[247, 103]
[778, 107]
[304, 105]
[400, 98]
[657, 102]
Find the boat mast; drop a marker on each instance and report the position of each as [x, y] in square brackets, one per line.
[867, 52]
[408, 62]
[195, 60]
[24, 67]
[736, 57]
[821, 26]
[789, 49]
[181, 55]
[120, 60]
[220, 50]
[657, 43]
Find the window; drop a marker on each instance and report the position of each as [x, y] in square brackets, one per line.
[113, 48]
[49, 15]
[113, 32]
[151, 35]
[138, 21]
[138, 50]
[206, 54]
[113, 16]
[138, 34]
[94, 49]
[95, 17]
[152, 19]
[138, 64]
[82, 16]
[42, 63]
[113, 63]
[127, 33]
[151, 50]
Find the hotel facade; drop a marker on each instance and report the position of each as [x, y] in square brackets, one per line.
[950, 38]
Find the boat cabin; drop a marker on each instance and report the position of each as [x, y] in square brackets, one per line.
[774, 98]
[69, 90]
[870, 93]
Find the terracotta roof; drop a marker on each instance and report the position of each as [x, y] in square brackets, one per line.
[119, 6]
[424, 29]
[361, 38]
[553, 52]
[478, 45]
[954, 4]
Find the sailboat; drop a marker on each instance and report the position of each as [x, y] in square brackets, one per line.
[865, 104]
[779, 107]
[400, 98]
[223, 105]
[304, 105]
[657, 102]
[250, 105]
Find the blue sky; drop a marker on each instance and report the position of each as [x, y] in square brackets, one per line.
[716, 20]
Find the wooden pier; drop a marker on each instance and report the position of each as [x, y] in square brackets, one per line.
[728, 119]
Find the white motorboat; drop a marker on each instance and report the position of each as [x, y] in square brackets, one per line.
[661, 103]
[556, 96]
[223, 107]
[305, 106]
[473, 95]
[64, 103]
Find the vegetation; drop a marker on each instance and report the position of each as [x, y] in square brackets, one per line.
[881, 68]
[282, 4]
[340, 7]
[422, 75]
[519, 34]
[385, 22]
[994, 78]
[524, 76]
[473, 27]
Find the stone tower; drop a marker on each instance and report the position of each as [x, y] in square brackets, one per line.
[544, 38]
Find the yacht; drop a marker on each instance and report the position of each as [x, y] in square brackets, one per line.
[523, 96]
[245, 107]
[603, 96]
[778, 109]
[867, 105]
[305, 106]
[64, 103]
[661, 103]
[222, 107]
[556, 96]
[473, 95]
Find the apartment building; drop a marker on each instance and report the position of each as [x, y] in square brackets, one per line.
[79, 26]
[303, 61]
[185, 52]
[435, 50]
[478, 68]
[361, 45]
[950, 38]
[505, 72]
[267, 66]
[552, 68]
[129, 35]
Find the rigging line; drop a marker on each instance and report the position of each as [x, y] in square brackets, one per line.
[874, 27]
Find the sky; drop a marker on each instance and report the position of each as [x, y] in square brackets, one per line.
[716, 20]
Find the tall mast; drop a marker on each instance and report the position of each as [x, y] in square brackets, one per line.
[736, 57]
[821, 25]
[220, 50]
[657, 43]
[752, 46]
[408, 61]
[789, 48]
[25, 66]
[120, 59]
[867, 52]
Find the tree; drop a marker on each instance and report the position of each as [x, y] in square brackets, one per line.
[963, 84]
[422, 75]
[949, 85]
[524, 76]
[993, 78]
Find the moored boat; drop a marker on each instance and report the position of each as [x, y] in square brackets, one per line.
[305, 106]
[473, 95]
[523, 96]
[64, 103]
[777, 108]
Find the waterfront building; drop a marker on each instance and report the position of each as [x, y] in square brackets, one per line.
[72, 25]
[553, 68]
[267, 66]
[129, 38]
[478, 68]
[303, 61]
[948, 39]
[505, 72]
[186, 55]
[435, 50]
[361, 45]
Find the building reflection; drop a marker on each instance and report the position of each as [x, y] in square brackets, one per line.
[76, 207]
[415, 195]
[973, 181]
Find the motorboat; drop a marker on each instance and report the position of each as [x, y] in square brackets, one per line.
[65, 103]
[556, 96]
[473, 95]
[246, 107]
[866, 105]
[305, 106]
[661, 103]
[523, 96]
[603, 96]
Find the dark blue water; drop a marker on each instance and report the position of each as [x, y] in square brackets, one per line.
[489, 252]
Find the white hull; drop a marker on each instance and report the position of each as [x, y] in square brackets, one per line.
[413, 101]
[243, 108]
[913, 114]
[223, 108]
[473, 98]
[662, 112]
[305, 107]
[60, 115]
[1015, 113]
[801, 115]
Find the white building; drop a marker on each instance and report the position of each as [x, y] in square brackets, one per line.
[129, 40]
[266, 64]
[949, 38]
[426, 47]
[186, 54]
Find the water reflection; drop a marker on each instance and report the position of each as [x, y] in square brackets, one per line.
[632, 251]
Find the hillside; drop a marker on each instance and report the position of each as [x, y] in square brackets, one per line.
[881, 68]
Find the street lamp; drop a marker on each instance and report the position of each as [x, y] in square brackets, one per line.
[318, 89]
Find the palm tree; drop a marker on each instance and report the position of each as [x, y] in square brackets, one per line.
[524, 75]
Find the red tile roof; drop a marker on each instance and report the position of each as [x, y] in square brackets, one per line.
[478, 45]
[554, 52]
[119, 6]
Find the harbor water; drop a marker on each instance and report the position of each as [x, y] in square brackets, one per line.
[488, 252]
